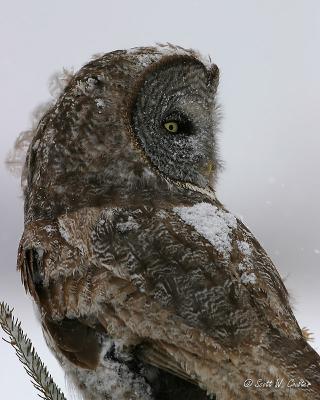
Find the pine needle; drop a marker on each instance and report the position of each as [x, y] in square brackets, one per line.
[27, 355]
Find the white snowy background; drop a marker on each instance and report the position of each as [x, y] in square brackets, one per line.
[268, 54]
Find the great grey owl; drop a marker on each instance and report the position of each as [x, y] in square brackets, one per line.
[147, 287]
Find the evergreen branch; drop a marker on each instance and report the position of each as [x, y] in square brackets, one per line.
[35, 368]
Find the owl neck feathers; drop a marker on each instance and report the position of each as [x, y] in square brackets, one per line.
[132, 188]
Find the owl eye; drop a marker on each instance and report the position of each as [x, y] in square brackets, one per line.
[172, 126]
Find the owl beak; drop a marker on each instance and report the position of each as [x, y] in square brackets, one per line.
[208, 168]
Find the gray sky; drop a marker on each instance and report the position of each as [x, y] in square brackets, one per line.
[268, 54]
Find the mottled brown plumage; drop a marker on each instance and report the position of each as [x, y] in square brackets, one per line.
[147, 287]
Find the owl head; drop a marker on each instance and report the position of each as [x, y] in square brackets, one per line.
[131, 126]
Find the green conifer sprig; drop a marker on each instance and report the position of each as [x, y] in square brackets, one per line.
[27, 355]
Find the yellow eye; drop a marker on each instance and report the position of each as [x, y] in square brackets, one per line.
[171, 126]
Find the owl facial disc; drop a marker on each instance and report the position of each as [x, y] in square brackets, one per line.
[172, 119]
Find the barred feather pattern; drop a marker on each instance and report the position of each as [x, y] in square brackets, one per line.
[143, 274]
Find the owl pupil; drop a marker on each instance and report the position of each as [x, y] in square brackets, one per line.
[171, 126]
